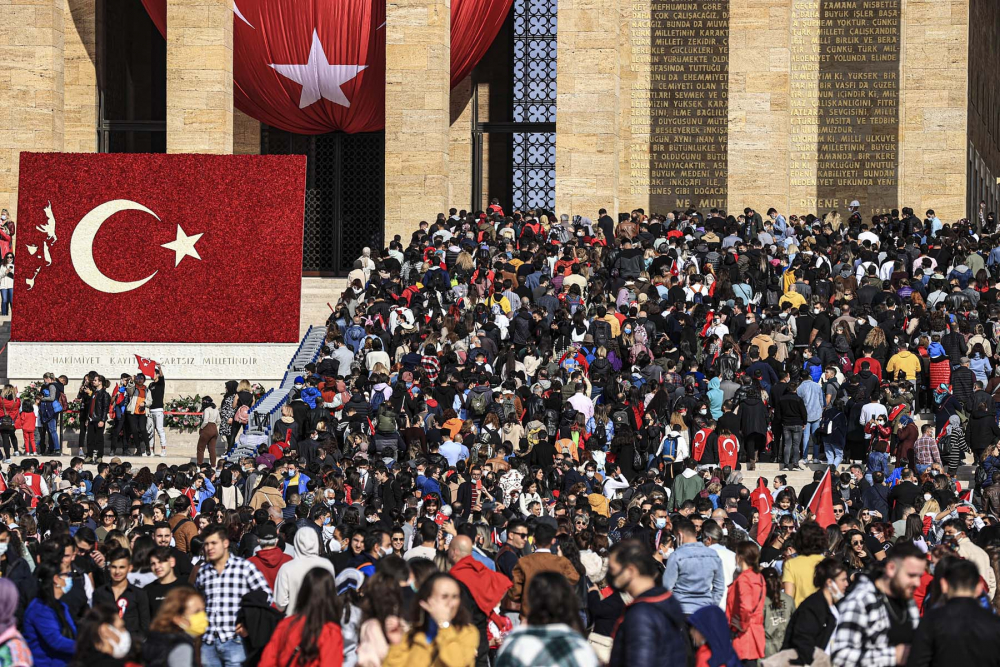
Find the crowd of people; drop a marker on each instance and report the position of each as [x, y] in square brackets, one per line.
[530, 441]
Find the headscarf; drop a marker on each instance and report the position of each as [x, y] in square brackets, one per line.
[8, 604]
[711, 622]
[954, 423]
[231, 387]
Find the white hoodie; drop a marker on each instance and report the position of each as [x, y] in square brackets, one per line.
[291, 574]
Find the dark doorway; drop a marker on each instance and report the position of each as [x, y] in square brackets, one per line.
[345, 196]
[131, 80]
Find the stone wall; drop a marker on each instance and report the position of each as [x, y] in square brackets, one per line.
[200, 76]
[933, 136]
[417, 112]
[587, 113]
[31, 86]
[80, 75]
[246, 134]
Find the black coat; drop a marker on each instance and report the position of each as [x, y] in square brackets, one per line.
[811, 626]
[959, 633]
[963, 382]
[753, 417]
[982, 430]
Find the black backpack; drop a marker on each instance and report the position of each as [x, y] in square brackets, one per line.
[602, 333]
[620, 418]
[599, 438]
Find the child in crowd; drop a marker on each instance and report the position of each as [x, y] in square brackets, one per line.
[25, 422]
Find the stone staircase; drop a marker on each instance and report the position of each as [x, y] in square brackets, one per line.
[316, 294]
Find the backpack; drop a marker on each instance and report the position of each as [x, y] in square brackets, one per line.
[377, 399]
[699, 296]
[509, 409]
[620, 418]
[981, 479]
[602, 333]
[669, 451]
[551, 422]
[478, 403]
[242, 415]
[63, 402]
[386, 421]
[599, 438]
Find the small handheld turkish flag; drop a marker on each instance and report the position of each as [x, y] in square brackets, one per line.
[821, 504]
[146, 366]
[761, 500]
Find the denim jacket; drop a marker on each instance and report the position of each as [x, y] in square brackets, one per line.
[694, 575]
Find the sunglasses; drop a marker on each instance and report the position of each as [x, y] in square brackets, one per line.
[525, 535]
[857, 543]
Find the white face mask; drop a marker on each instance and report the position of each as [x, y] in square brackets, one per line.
[387, 552]
[835, 593]
[334, 546]
[927, 496]
[122, 644]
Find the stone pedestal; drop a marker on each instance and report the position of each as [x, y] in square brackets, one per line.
[417, 112]
[200, 76]
[31, 79]
[587, 113]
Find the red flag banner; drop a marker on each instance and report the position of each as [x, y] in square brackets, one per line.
[762, 501]
[159, 248]
[821, 504]
[146, 365]
[315, 66]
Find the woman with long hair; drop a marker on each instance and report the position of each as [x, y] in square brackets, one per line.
[745, 604]
[228, 428]
[10, 406]
[778, 610]
[441, 632]
[381, 608]
[311, 637]
[48, 625]
[179, 622]
[553, 624]
[103, 640]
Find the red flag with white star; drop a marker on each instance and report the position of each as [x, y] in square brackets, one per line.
[159, 248]
[317, 66]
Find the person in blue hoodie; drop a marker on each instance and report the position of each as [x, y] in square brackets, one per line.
[710, 633]
[48, 624]
[812, 394]
[715, 397]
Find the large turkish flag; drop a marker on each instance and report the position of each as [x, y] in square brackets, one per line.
[317, 66]
[158, 248]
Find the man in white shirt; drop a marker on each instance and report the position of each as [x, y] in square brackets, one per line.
[427, 532]
[581, 403]
[712, 537]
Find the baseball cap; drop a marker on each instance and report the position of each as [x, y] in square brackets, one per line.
[267, 531]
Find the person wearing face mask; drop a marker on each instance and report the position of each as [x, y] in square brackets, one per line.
[48, 625]
[180, 621]
[652, 629]
[104, 641]
[14, 568]
[811, 626]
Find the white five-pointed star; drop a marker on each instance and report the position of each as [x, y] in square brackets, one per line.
[319, 78]
[183, 246]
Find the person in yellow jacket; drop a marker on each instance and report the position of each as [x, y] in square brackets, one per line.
[905, 361]
[441, 634]
[793, 298]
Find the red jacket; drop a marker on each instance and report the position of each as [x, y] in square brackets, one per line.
[746, 603]
[287, 636]
[269, 561]
[25, 421]
[940, 373]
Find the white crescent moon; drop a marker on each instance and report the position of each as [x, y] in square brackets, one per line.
[81, 247]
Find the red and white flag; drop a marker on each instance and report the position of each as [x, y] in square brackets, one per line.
[821, 504]
[159, 248]
[146, 366]
[761, 499]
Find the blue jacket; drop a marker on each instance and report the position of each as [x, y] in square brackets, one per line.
[811, 393]
[652, 632]
[41, 630]
[694, 575]
[711, 622]
[715, 397]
